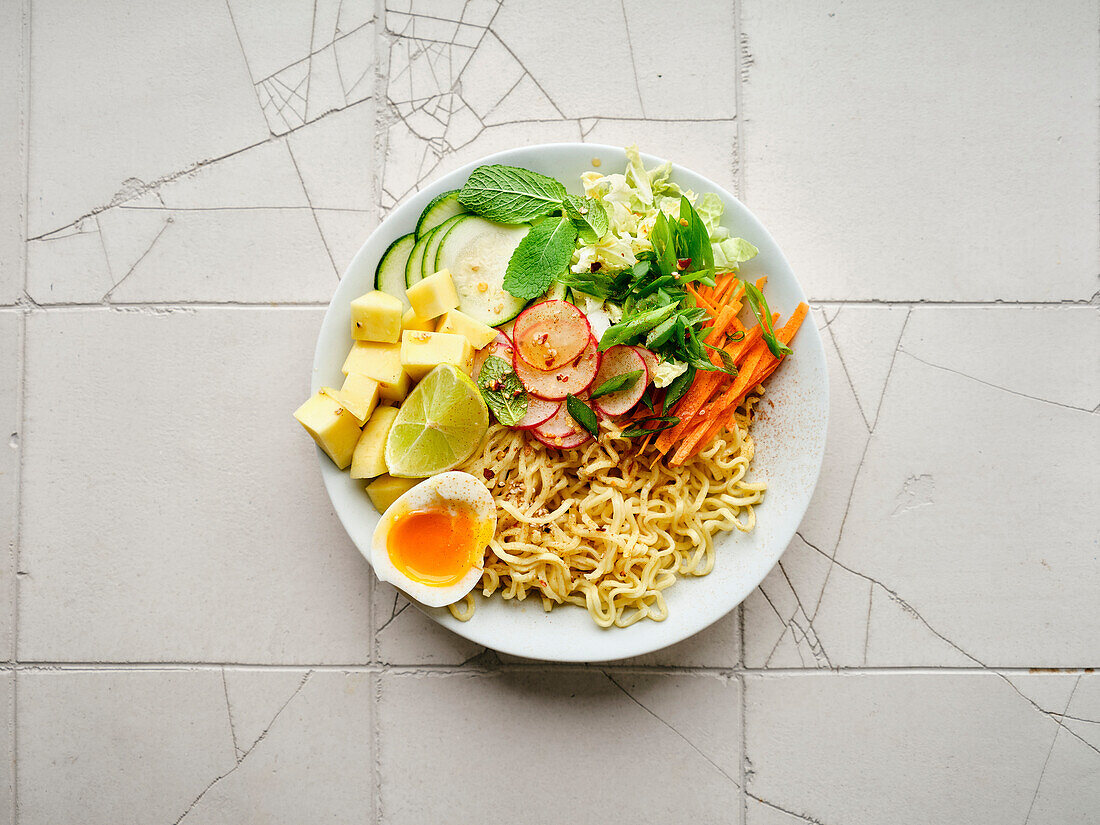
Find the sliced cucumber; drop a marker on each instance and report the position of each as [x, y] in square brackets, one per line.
[477, 251]
[414, 269]
[438, 210]
[389, 277]
[431, 254]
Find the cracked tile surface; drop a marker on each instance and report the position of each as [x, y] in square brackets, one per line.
[192, 638]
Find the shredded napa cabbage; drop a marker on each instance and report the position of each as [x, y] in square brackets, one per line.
[632, 200]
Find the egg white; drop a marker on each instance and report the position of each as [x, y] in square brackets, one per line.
[454, 487]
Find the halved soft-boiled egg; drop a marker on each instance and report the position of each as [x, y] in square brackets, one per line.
[431, 541]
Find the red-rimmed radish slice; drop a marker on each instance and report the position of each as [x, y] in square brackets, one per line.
[617, 361]
[650, 359]
[539, 411]
[567, 379]
[501, 347]
[551, 334]
[561, 431]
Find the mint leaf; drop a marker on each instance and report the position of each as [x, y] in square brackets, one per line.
[617, 382]
[543, 253]
[502, 390]
[589, 216]
[582, 414]
[508, 194]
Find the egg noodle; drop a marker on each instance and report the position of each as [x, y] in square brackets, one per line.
[605, 527]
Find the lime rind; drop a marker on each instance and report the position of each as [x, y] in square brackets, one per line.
[440, 425]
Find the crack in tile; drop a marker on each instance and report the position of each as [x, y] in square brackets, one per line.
[1046, 761]
[107, 295]
[633, 62]
[897, 599]
[848, 375]
[691, 744]
[312, 211]
[229, 713]
[997, 386]
[803, 817]
[404, 607]
[252, 747]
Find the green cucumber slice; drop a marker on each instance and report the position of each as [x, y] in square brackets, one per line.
[438, 210]
[389, 277]
[477, 251]
[414, 269]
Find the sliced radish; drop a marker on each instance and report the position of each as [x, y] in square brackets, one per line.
[561, 431]
[501, 347]
[650, 359]
[539, 411]
[551, 334]
[617, 361]
[555, 384]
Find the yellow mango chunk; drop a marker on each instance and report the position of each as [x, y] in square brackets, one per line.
[478, 334]
[395, 390]
[358, 396]
[379, 361]
[434, 295]
[335, 430]
[376, 316]
[423, 351]
[369, 457]
[410, 320]
[385, 489]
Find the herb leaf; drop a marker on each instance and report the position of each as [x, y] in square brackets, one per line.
[617, 382]
[502, 390]
[589, 216]
[509, 194]
[763, 315]
[678, 387]
[542, 254]
[664, 422]
[582, 414]
[663, 247]
[636, 325]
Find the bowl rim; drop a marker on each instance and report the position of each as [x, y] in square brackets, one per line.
[627, 644]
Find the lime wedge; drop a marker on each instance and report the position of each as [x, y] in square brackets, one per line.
[438, 427]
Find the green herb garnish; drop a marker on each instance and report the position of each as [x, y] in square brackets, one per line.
[509, 194]
[543, 253]
[588, 216]
[582, 414]
[664, 422]
[502, 390]
[763, 315]
[618, 382]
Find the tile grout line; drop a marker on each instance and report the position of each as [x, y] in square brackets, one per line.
[184, 304]
[528, 667]
[375, 184]
[739, 157]
[20, 401]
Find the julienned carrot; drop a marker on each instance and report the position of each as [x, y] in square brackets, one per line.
[725, 317]
[721, 412]
[705, 385]
[703, 299]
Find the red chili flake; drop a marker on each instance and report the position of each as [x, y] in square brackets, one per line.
[488, 474]
[596, 266]
[561, 377]
[683, 263]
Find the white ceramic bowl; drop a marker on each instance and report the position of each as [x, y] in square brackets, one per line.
[790, 439]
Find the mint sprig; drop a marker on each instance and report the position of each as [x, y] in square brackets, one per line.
[589, 216]
[502, 390]
[509, 194]
[543, 253]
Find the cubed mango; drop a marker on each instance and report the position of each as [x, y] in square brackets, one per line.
[386, 489]
[376, 316]
[410, 320]
[478, 334]
[379, 361]
[369, 457]
[434, 295]
[423, 351]
[335, 430]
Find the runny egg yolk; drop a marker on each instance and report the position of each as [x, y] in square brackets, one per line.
[434, 546]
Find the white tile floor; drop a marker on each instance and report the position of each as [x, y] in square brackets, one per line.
[193, 638]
